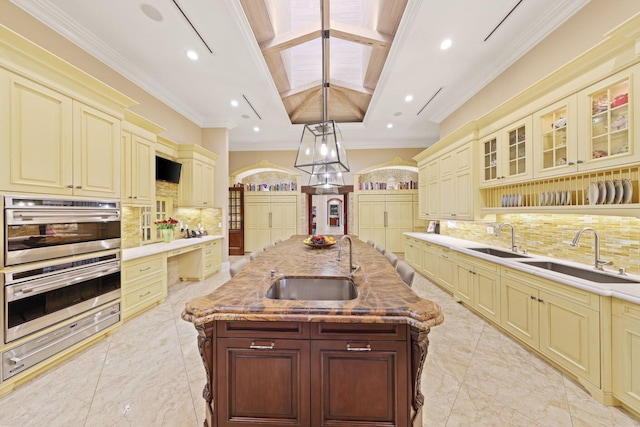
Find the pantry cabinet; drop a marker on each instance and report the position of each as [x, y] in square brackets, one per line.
[268, 218]
[561, 322]
[384, 218]
[626, 353]
[56, 145]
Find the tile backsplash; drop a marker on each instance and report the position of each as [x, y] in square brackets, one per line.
[550, 235]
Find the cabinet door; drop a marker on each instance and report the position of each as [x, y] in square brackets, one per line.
[371, 220]
[463, 187]
[489, 174]
[423, 211]
[399, 220]
[446, 181]
[570, 336]
[518, 156]
[97, 152]
[360, 383]
[429, 266]
[433, 189]
[609, 122]
[207, 185]
[486, 293]
[139, 170]
[446, 269]
[36, 132]
[283, 220]
[262, 381]
[626, 353]
[555, 136]
[464, 282]
[257, 230]
[519, 310]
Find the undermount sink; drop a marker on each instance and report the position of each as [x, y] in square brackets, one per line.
[498, 253]
[313, 289]
[591, 275]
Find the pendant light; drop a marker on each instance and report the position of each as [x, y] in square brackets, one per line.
[322, 153]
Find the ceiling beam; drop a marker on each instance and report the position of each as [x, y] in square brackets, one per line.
[278, 72]
[351, 87]
[390, 16]
[348, 102]
[360, 35]
[259, 20]
[374, 69]
[291, 38]
[305, 104]
[300, 89]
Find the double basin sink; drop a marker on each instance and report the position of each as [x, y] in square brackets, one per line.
[581, 273]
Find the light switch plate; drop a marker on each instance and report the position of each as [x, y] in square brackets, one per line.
[490, 230]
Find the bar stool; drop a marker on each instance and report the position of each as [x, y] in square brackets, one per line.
[268, 246]
[237, 266]
[380, 249]
[254, 254]
[393, 258]
[277, 242]
[371, 243]
[406, 272]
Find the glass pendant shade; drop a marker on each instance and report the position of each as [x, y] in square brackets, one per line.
[320, 147]
[326, 177]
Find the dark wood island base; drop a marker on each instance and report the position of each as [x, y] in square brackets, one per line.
[313, 363]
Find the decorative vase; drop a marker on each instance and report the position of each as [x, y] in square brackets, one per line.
[167, 234]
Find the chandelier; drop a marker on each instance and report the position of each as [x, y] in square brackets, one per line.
[321, 153]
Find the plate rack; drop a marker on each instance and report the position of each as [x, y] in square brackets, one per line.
[572, 192]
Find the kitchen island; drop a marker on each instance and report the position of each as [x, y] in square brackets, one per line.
[313, 362]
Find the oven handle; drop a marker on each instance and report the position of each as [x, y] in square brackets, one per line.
[17, 360]
[19, 216]
[38, 286]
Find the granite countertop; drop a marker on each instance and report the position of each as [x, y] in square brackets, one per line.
[624, 291]
[156, 248]
[382, 296]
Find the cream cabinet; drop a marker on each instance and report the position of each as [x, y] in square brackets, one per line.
[506, 155]
[197, 176]
[384, 218]
[477, 284]
[212, 257]
[138, 153]
[422, 256]
[56, 145]
[555, 135]
[144, 283]
[429, 189]
[268, 218]
[626, 353]
[560, 321]
[446, 268]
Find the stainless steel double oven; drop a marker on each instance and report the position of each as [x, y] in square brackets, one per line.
[61, 259]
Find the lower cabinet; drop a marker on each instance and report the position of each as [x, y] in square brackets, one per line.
[477, 284]
[446, 268]
[626, 353]
[144, 283]
[212, 257]
[561, 322]
[311, 374]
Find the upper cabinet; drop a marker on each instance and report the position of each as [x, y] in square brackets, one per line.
[506, 155]
[138, 160]
[556, 138]
[56, 145]
[197, 176]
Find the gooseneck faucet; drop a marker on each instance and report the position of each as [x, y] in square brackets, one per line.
[514, 247]
[352, 268]
[598, 263]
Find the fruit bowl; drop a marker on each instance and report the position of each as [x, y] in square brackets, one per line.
[319, 241]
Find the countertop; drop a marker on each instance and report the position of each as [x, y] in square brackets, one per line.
[624, 291]
[156, 248]
[382, 296]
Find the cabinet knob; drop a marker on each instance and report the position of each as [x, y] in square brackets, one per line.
[78, 186]
[533, 297]
[540, 300]
[580, 161]
[571, 163]
[70, 186]
[135, 197]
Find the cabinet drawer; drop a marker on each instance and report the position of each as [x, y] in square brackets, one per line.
[142, 297]
[259, 329]
[361, 331]
[476, 262]
[179, 251]
[626, 310]
[147, 266]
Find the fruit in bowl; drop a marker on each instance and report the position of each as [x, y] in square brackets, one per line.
[319, 239]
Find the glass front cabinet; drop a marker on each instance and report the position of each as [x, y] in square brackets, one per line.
[556, 138]
[506, 154]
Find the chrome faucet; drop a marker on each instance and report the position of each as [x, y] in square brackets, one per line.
[514, 247]
[598, 263]
[352, 268]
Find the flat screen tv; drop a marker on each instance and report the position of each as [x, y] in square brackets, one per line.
[167, 170]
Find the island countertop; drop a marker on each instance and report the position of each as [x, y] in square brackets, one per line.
[382, 296]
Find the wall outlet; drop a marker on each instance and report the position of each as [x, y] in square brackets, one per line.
[490, 230]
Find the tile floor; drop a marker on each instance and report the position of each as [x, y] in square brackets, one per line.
[149, 373]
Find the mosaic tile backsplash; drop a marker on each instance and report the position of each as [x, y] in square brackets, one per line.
[550, 235]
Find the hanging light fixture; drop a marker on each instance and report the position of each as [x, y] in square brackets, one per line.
[322, 153]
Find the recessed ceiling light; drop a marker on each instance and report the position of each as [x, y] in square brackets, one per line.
[408, 98]
[151, 12]
[234, 103]
[192, 55]
[446, 44]
[389, 126]
[256, 129]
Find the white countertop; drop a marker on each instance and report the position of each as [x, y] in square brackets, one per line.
[156, 248]
[624, 291]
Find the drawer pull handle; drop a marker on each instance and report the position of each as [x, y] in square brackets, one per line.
[145, 269]
[367, 348]
[145, 294]
[253, 346]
